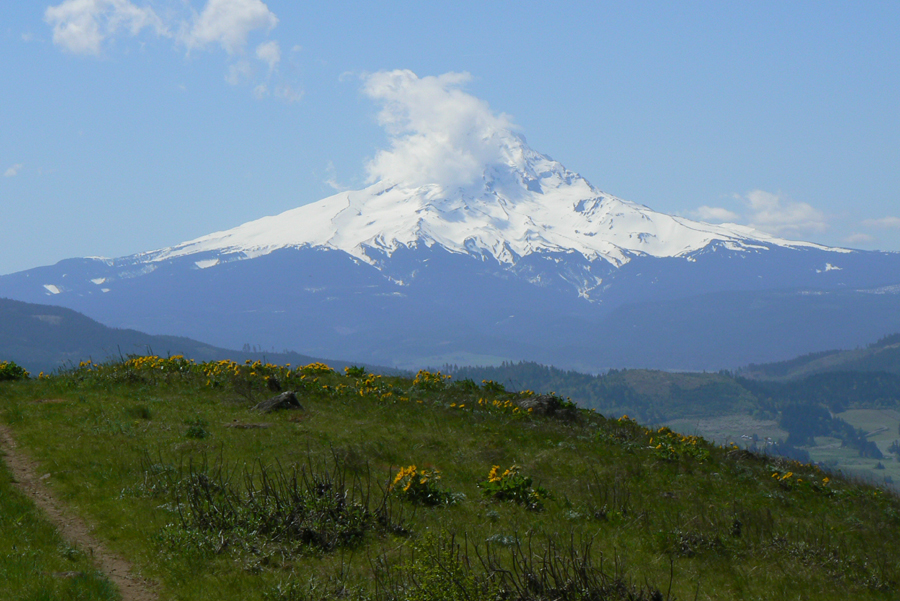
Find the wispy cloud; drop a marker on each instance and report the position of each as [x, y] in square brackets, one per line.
[13, 171]
[269, 53]
[770, 212]
[715, 214]
[779, 214]
[438, 133]
[81, 26]
[859, 238]
[332, 181]
[228, 23]
[86, 27]
[239, 72]
[883, 223]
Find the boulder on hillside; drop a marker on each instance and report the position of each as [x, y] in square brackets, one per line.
[285, 400]
[549, 405]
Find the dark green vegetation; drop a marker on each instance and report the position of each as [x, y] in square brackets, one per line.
[883, 356]
[866, 378]
[650, 396]
[422, 489]
[46, 338]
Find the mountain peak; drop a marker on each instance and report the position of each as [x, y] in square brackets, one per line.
[525, 203]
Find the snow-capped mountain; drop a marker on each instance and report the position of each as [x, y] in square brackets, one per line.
[530, 204]
[530, 262]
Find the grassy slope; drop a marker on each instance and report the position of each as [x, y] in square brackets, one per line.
[729, 528]
[883, 355]
[35, 563]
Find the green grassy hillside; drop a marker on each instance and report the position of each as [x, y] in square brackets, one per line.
[430, 489]
[880, 356]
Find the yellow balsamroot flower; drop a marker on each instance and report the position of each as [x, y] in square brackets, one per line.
[492, 475]
[787, 475]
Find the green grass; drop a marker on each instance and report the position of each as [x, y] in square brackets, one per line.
[232, 514]
[35, 563]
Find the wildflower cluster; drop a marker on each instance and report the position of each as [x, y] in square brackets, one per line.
[419, 486]
[375, 385]
[426, 380]
[11, 371]
[672, 446]
[491, 386]
[505, 405]
[511, 485]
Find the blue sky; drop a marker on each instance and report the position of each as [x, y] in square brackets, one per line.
[130, 125]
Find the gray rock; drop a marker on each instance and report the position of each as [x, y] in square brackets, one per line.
[549, 405]
[285, 400]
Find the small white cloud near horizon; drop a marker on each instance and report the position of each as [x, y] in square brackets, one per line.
[14, 170]
[883, 223]
[81, 26]
[778, 214]
[332, 181]
[715, 215]
[269, 53]
[439, 134]
[774, 214]
[859, 238]
[228, 23]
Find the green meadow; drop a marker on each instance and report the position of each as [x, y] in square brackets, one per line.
[425, 488]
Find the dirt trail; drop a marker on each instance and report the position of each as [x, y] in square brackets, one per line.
[25, 474]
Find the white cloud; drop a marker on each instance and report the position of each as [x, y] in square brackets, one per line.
[777, 214]
[859, 239]
[239, 72]
[883, 223]
[439, 134]
[288, 93]
[229, 23]
[13, 171]
[260, 91]
[81, 26]
[715, 214]
[332, 181]
[269, 53]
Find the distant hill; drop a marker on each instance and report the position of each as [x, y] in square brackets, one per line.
[45, 338]
[881, 356]
[650, 395]
[839, 380]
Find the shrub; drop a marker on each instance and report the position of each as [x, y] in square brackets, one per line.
[197, 429]
[426, 380]
[511, 485]
[355, 372]
[419, 486]
[11, 371]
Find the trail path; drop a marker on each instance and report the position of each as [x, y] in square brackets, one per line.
[26, 478]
